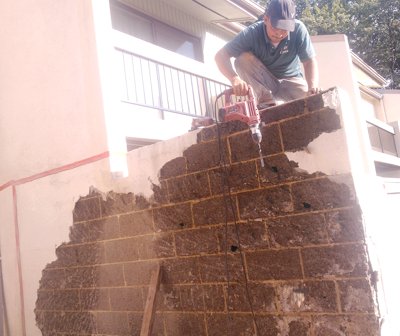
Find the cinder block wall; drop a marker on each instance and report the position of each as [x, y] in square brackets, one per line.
[290, 244]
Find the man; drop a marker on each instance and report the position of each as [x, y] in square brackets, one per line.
[268, 55]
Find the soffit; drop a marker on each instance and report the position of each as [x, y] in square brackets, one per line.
[212, 10]
[228, 14]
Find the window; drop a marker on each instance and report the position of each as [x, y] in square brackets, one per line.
[134, 143]
[381, 140]
[387, 170]
[129, 21]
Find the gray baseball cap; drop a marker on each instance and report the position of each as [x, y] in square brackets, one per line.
[282, 14]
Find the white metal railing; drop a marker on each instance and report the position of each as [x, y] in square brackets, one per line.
[156, 78]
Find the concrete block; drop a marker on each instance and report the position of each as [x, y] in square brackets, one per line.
[345, 225]
[87, 209]
[347, 325]
[262, 296]
[181, 271]
[173, 168]
[137, 223]
[243, 148]
[331, 261]
[196, 242]
[204, 155]
[94, 299]
[295, 231]
[299, 132]
[212, 211]
[320, 194]
[284, 111]
[265, 203]
[308, 296]
[274, 265]
[186, 324]
[188, 187]
[95, 230]
[175, 217]
[252, 235]
[238, 177]
[126, 299]
[112, 323]
[355, 296]
[213, 268]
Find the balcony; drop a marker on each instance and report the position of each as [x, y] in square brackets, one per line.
[157, 85]
[159, 91]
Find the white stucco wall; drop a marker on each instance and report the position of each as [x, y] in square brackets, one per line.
[51, 115]
[336, 70]
[335, 65]
[380, 212]
[50, 106]
[391, 101]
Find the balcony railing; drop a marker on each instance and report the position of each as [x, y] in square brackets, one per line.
[153, 84]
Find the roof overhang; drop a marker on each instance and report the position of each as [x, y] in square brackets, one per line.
[233, 13]
[375, 79]
[370, 92]
[230, 15]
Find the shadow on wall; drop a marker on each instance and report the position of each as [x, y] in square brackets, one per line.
[298, 267]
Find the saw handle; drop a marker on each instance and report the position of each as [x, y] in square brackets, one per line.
[228, 93]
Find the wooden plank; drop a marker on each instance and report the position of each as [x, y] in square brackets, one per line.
[149, 310]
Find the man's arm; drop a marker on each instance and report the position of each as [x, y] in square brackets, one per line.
[223, 60]
[312, 76]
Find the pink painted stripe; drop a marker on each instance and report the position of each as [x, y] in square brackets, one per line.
[7, 185]
[62, 168]
[19, 263]
[55, 170]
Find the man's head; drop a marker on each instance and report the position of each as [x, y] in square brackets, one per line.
[281, 14]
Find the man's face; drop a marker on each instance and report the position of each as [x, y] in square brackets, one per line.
[274, 34]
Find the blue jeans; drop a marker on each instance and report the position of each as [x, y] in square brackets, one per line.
[267, 88]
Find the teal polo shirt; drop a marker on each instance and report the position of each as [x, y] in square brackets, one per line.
[282, 61]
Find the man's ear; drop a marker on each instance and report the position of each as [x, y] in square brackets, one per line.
[265, 19]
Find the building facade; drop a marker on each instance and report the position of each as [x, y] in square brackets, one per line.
[84, 81]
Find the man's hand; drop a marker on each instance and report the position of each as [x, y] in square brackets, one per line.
[223, 60]
[312, 76]
[239, 86]
[313, 90]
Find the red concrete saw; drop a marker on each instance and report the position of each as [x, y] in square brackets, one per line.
[244, 110]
